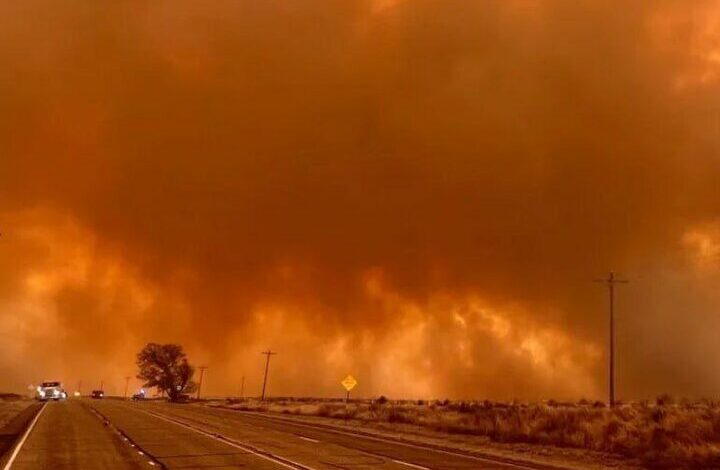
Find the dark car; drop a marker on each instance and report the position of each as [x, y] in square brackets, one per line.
[138, 396]
[97, 394]
[182, 398]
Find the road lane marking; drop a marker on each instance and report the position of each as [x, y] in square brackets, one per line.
[285, 462]
[151, 460]
[24, 438]
[408, 464]
[392, 441]
[314, 441]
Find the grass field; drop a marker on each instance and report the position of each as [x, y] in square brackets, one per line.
[659, 434]
[11, 405]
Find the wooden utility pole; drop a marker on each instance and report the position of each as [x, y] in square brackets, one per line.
[610, 282]
[202, 372]
[127, 382]
[267, 353]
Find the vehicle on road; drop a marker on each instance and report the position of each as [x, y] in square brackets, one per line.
[139, 396]
[182, 398]
[51, 391]
[97, 394]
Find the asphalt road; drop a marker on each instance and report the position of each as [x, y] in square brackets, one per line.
[114, 434]
[67, 435]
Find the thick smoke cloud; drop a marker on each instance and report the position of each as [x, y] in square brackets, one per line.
[416, 192]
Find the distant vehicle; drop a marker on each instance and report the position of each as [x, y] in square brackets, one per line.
[97, 394]
[139, 396]
[51, 391]
[182, 398]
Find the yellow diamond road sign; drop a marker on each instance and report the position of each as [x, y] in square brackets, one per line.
[349, 382]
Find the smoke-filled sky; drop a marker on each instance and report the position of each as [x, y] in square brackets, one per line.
[415, 192]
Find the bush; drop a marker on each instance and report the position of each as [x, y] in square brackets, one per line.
[665, 399]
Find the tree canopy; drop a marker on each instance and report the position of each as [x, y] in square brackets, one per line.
[165, 367]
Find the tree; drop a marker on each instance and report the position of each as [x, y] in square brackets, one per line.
[165, 366]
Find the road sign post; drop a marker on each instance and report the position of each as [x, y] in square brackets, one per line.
[349, 383]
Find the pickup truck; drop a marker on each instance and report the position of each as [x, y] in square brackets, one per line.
[51, 391]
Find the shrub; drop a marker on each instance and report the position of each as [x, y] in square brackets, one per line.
[664, 399]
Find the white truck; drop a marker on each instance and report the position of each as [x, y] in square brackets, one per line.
[51, 391]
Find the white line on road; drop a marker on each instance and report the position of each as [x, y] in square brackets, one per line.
[285, 462]
[315, 441]
[391, 441]
[408, 464]
[117, 431]
[24, 438]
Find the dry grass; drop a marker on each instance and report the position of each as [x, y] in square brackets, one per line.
[11, 405]
[662, 434]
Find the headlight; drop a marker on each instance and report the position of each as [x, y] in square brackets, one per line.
[42, 393]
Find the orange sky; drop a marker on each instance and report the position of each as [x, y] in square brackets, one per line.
[415, 192]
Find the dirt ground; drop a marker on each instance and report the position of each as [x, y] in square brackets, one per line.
[11, 407]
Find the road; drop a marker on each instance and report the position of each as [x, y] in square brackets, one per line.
[67, 435]
[115, 434]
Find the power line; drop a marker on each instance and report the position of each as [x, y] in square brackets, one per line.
[610, 282]
[267, 353]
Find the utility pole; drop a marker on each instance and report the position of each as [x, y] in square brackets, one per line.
[102, 384]
[242, 388]
[610, 282]
[127, 382]
[267, 353]
[202, 372]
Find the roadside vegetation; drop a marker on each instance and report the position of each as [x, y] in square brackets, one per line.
[662, 434]
[10, 405]
[165, 367]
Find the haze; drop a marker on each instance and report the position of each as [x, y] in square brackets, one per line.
[415, 192]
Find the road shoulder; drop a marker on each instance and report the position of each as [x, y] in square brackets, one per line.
[11, 431]
[477, 446]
